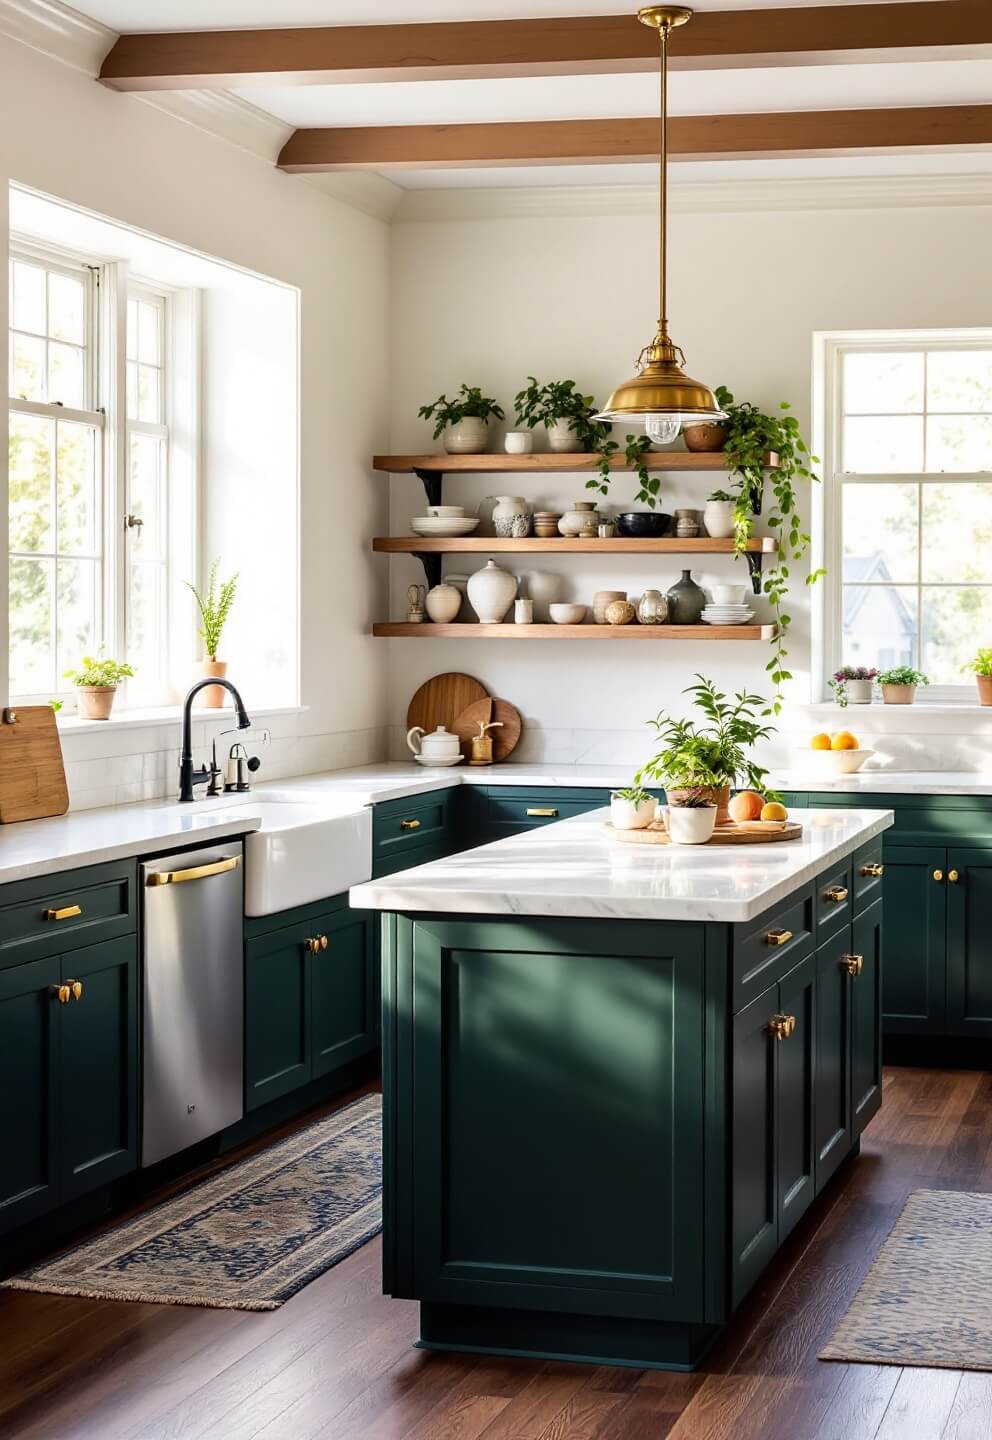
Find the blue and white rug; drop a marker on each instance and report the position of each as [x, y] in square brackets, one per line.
[249, 1237]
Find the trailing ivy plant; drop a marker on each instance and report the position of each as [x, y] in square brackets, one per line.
[635, 449]
[750, 435]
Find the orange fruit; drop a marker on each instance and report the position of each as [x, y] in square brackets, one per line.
[820, 742]
[774, 811]
[844, 740]
[745, 806]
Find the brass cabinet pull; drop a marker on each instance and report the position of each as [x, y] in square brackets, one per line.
[953, 876]
[323, 941]
[938, 875]
[852, 964]
[196, 872]
[310, 944]
[778, 937]
[76, 986]
[67, 912]
[874, 870]
[780, 1027]
[409, 824]
[835, 893]
[545, 812]
[61, 993]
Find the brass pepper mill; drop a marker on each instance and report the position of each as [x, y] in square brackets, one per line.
[482, 744]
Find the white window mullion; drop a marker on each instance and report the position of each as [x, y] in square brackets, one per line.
[113, 374]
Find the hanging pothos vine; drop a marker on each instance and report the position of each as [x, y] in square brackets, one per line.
[562, 400]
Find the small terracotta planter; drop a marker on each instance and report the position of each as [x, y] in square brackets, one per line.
[214, 696]
[95, 702]
[705, 437]
[898, 694]
[984, 683]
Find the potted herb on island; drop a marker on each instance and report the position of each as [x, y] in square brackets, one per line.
[96, 685]
[214, 607]
[981, 668]
[632, 809]
[852, 684]
[899, 684]
[464, 421]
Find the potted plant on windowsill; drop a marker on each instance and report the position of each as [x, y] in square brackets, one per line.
[463, 421]
[899, 684]
[96, 685]
[981, 668]
[852, 684]
[702, 761]
[214, 606]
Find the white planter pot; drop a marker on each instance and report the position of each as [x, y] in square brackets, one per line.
[858, 691]
[491, 592]
[469, 437]
[718, 517]
[562, 439]
[518, 442]
[625, 815]
[690, 826]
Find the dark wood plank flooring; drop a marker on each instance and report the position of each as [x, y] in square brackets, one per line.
[336, 1363]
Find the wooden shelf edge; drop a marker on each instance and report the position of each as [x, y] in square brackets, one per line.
[550, 463]
[566, 545]
[469, 631]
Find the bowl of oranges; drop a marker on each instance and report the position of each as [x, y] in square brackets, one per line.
[837, 754]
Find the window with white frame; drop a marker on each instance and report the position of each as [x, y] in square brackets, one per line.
[89, 457]
[908, 504]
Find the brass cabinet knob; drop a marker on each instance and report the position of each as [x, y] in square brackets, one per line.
[76, 986]
[61, 993]
[852, 964]
[409, 824]
[835, 893]
[310, 944]
[780, 1027]
[778, 937]
[938, 875]
[953, 876]
[873, 870]
[323, 941]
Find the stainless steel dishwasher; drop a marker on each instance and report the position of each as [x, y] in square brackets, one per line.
[193, 908]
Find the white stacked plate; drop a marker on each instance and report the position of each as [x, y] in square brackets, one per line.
[727, 614]
[445, 527]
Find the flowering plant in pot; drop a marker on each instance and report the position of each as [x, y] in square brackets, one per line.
[463, 421]
[214, 606]
[899, 684]
[981, 668]
[96, 685]
[632, 809]
[852, 684]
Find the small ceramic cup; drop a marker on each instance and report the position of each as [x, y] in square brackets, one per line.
[518, 442]
[728, 594]
[523, 611]
[447, 512]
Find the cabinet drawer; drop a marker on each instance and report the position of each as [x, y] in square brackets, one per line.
[530, 811]
[768, 947]
[56, 913]
[834, 902]
[400, 827]
[866, 875]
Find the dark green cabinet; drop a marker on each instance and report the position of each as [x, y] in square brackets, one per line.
[968, 890]
[68, 1076]
[310, 998]
[915, 891]
[832, 1122]
[866, 1017]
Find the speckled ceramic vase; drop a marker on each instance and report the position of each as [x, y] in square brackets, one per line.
[685, 601]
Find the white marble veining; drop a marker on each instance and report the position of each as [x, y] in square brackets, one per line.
[575, 869]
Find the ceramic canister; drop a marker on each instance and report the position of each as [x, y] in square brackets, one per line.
[573, 521]
[491, 591]
[443, 603]
[601, 599]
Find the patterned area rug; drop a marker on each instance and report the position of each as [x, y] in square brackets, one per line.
[927, 1299]
[248, 1238]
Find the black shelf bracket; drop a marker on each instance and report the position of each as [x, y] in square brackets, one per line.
[754, 560]
[432, 481]
[432, 568]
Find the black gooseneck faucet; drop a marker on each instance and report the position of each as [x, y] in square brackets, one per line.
[188, 777]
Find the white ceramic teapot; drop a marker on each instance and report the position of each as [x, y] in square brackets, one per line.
[440, 747]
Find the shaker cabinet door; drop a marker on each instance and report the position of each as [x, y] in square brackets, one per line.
[796, 1160]
[832, 1125]
[342, 993]
[915, 908]
[277, 1014]
[866, 1017]
[29, 1034]
[969, 946]
[754, 1154]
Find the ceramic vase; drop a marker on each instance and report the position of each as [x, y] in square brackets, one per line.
[718, 517]
[652, 608]
[573, 521]
[510, 517]
[443, 603]
[468, 437]
[690, 825]
[686, 601]
[601, 599]
[491, 592]
[562, 439]
[95, 702]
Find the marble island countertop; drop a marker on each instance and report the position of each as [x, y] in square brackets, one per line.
[575, 869]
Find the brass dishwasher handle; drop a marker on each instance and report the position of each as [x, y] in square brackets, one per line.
[545, 812]
[197, 872]
[67, 912]
[778, 937]
[409, 824]
[852, 964]
[836, 893]
[873, 870]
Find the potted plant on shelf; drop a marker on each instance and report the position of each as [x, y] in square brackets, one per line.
[691, 817]
[96, 685]
[852, 684]
[707, 437]
[464, 421]
[708, 758]
[632, 809]
[899, 684]
[981, 668]
[718, 516]
[214, 606]
[564, 412]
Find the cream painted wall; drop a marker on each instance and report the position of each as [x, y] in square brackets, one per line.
[67, 136]
[492, 301]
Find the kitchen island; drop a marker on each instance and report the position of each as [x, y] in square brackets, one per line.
[616, 1077]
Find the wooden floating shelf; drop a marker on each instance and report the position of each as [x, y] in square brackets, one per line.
[566, 545]
[469, 631]
[549, 463]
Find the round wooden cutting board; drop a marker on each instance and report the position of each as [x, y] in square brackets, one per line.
[753, 832]
[505, 740]
[441, 700]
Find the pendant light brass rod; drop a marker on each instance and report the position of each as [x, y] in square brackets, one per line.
[663, 188]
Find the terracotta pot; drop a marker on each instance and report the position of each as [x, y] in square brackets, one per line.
[718, 796]
[95, 702]
[706, 437]
[984, 689]
[898, 694]
[214, 696]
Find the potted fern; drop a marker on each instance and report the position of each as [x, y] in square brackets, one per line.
[214, 606]
[96, 685]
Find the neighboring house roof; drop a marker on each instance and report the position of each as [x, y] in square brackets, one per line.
[859, 571]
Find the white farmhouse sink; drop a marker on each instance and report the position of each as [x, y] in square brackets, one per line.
[306, 849]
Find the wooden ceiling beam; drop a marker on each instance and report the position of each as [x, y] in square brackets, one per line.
[580, 45]
[690, 137]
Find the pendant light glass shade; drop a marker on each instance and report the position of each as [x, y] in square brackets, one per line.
[661, 396]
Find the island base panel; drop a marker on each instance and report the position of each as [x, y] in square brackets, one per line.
[548, 1335]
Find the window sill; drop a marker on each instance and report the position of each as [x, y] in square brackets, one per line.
[164, 715]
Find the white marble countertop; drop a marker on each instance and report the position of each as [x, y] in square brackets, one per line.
[575, 869]
[891, 782]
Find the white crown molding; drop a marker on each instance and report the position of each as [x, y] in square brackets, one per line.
[877, 192]
[361, 189]
[226, 116]
[55, 30]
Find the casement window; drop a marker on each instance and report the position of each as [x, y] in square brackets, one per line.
[907, 533]
[90, 388]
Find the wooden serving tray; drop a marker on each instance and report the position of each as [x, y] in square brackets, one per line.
[750, 832]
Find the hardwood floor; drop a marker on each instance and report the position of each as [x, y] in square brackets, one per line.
[336, 1363]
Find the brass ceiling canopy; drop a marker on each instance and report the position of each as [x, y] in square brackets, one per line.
[660, 396]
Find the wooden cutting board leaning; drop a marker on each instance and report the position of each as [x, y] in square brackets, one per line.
[441, 700]
[32, 774]
[505, 739]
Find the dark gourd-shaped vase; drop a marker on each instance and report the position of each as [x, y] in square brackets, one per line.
[685, 601]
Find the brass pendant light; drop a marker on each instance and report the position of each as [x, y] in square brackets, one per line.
[661, 395]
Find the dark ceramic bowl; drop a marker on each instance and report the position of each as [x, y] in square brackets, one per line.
[643, 524]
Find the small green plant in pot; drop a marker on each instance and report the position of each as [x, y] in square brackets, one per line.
[632, 809]
[981, 667]
[564, 412]
[463, 421]
[214, 605]
[691, 817]
[96, 683]
[899, 684]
